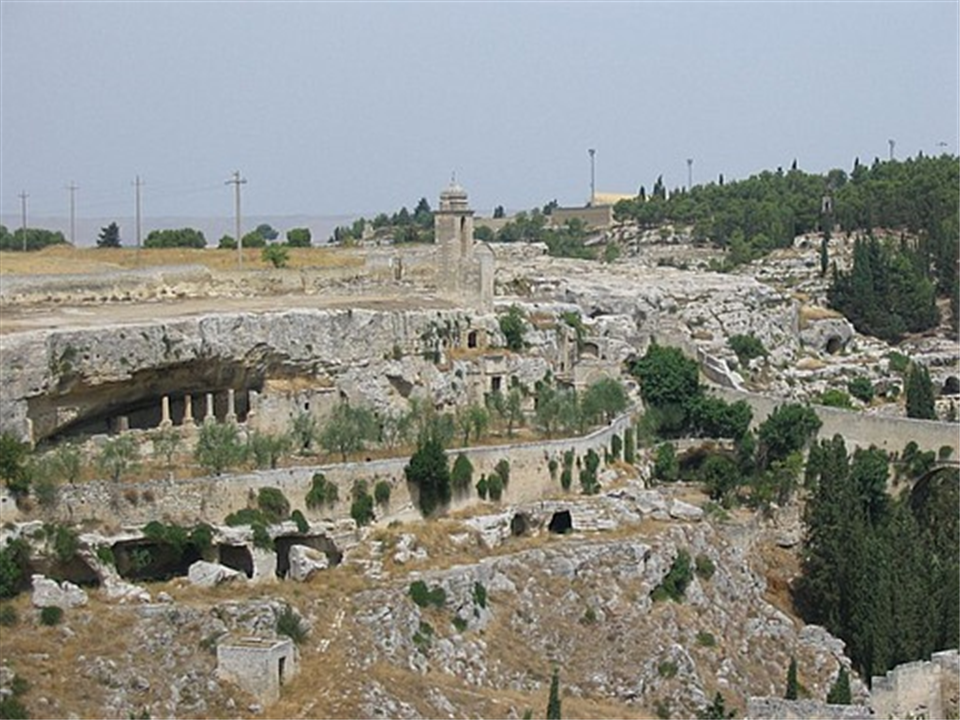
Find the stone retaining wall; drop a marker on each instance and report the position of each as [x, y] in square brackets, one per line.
[211, 499]
[860, 429]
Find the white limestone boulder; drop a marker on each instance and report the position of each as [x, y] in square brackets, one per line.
[305, 562]
[207, 574]
[680, 510]
[50, 593]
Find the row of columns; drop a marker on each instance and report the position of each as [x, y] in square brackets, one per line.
[209, 416]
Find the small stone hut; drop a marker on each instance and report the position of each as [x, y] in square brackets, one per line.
[258, 665]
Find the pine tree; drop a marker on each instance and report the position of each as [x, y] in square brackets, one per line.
[840, 691]
[553, 704]
[109, 236]
[792, 685]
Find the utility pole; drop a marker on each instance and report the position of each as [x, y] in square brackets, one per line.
[689, 173]
[892, 144]
[137, 184]
[23, 217]
[73, 214]
[593, 187]
[237, 181]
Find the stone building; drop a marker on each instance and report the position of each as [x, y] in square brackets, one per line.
[466, 267]
[259, 665]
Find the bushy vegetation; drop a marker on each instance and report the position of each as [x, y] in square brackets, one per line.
[429, 472]
[361, 509]
[887, 292]
[512, 325]
[37, 239]
[676, 401]
[51, 615]
[322, 492]
[183, 238]
[746, 347]
[423, 596]
[881, 573]
[674, 584]
[219, 447]
[289, 623]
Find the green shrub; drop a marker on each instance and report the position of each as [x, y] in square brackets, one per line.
[322, 492]
[502, 469]
[667, 669]
[276, 254]
[12, 709]
[105, 555]
[746, 347]
[479, 595]
[459, 623]
[290, 623]
[704, 567]
[302, 525]
[675, 583]
[566, 479]
[616, 446]
[381, 492]
[835, 398]
[361, 509]
[706, 639]
[898, 361]
[423, 596]
[482, 487]
[495, 486]
[51, 615]
[245, 516]
[65, 543]
[261, 536]
[629, 446]
[273, 504]
[8, 615]
[666, 467]
[512, 325]
[553, 466]
[861, 388]
[461, 474]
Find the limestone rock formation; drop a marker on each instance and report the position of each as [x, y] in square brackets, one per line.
[50, 593]
[305, 562]
[207, 574]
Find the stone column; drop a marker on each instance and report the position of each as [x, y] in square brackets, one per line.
[165, 420]
[188, 409]
[123, 423]
[209, 417]
[231, 405]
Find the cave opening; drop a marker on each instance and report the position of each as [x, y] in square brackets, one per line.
[153, 560]
[236, 557]
[561, 522]
[322, 543]
[520, 524]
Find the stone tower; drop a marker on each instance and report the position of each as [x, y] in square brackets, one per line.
[453, 231]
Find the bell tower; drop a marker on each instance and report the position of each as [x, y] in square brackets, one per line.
[453, 232]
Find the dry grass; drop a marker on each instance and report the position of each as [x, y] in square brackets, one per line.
[812, 313]
[58, 260]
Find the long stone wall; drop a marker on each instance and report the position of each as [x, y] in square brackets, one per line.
[860, 429]
[211, 499]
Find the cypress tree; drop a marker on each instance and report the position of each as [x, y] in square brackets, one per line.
[792, 685]
[840, 691]
[920, 403]
[553, 704]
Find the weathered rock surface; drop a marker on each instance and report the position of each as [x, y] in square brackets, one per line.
[305, 562]
[207, 574]
[50, 593]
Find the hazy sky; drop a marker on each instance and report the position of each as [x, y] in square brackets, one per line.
[330, 108]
